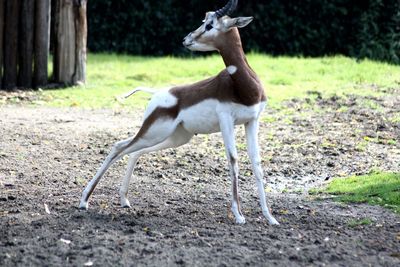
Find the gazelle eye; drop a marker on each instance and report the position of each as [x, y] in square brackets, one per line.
[208, 27]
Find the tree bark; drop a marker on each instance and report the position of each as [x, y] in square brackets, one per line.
[1, 40]
[65, 42]
[81, 40]
[42, 38]
[71, 35]
[55, 4]
[11, 44]
[26, 43]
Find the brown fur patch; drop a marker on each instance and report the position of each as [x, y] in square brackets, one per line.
[158, 113]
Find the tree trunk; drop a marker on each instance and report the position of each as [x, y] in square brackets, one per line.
[81, 39]
[1, 40]
[42, 38]
[65, 42]
[11, 44]
[55, 5]
[70, 50]
[26, 43]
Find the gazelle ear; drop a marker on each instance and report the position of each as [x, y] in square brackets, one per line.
[239, 22]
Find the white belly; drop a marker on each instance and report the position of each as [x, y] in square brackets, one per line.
[203, 118]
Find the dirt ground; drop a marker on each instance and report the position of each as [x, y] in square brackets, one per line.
[180, 213]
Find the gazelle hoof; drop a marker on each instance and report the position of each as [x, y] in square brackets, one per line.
[272, 221]
[125, 204]
[240, 220]
[83, 205]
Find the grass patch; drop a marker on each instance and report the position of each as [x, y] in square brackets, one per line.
[110, 76]
[361, 222]
[374, 188]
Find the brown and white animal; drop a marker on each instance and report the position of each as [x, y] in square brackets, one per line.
[235, 96]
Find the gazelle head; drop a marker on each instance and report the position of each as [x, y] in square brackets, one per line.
[215, 25]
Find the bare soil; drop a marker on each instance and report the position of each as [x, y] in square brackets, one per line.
[180, 213]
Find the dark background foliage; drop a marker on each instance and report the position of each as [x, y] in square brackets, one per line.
[364, 28]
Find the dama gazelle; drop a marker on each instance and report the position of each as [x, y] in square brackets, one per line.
[235, 96]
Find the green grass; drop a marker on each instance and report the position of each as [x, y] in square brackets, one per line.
[375, 188]
[360, 222]
[110, 76]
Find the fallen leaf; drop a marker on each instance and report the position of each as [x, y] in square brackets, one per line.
[65, 241]
[268, 189]
[312, 212]
[46, 208]
[103, 205]
[89, 263]
[80, 181]
[284, 212]
[230, 215]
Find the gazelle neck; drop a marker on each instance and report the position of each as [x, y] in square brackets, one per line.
[231, 50]
[247, 85]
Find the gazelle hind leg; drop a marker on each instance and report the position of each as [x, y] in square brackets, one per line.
[133, 158]
[227, 130]
[178, 138]
[254, 154]
[111, 158]
[157, 133]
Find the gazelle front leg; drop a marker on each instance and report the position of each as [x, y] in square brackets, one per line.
[227, 130]
[254, 154]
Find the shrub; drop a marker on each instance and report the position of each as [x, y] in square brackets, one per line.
[360, 29]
